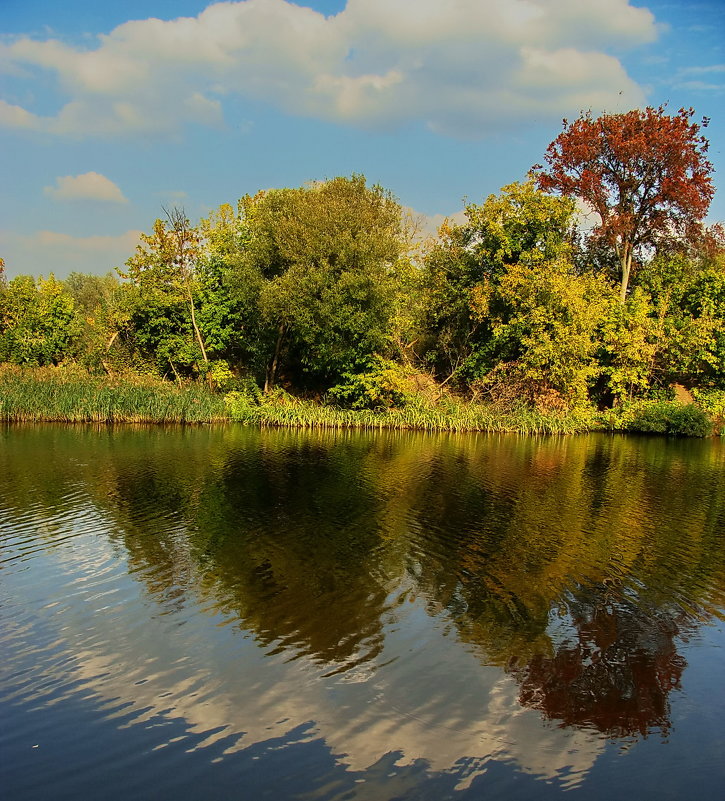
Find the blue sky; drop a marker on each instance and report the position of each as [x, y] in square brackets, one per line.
[109, 111]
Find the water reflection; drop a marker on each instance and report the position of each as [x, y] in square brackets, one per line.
[423, 605]
[613, 671]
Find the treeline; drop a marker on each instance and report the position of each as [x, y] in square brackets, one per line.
[328, 291]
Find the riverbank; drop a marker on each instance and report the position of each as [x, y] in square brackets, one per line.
[67, 395]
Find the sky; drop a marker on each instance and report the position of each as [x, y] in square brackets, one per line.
[111, 111]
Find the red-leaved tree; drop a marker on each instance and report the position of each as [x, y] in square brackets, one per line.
[644, 172]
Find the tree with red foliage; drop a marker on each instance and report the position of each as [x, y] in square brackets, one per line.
[644, 172]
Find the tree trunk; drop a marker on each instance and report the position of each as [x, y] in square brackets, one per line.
[196, 327]
[178, 377]
[625, 260]
[272, 370]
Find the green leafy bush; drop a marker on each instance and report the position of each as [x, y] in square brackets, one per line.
[713, 402]
[671, 418]
[383, 386]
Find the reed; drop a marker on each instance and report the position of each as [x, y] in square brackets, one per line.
[285, 410]
[72, 396]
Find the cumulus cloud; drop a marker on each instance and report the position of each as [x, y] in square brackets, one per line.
[89, 186]
[464, 67]
[44, 252]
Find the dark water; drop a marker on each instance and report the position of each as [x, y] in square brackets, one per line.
[228, 613]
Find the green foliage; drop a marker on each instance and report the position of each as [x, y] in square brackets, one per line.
[321, 289]
[91, 293]
[326, 255]
[545, 322]
[164, 271]
[38, 323]
[158, 328]
[713, 402]
[521, 225]
[96, 305]
[384, 385]
[688, 291]
[630, 340]
[671, 418]
[450, 332]
[464, 319]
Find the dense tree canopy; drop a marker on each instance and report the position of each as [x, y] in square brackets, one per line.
[323, 290]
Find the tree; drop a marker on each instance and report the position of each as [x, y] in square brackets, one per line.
[511, 255]
[326, 255]
[644, 173]
[38, 323]
[544, 322]
[166, 261]
[95, 298]
[687, 288]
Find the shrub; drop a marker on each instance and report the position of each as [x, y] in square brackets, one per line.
[713, 402]
[671, 418]
[383, 386]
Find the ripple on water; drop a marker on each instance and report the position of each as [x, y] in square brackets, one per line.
[397, 613]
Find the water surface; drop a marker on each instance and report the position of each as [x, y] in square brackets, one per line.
[225, 612]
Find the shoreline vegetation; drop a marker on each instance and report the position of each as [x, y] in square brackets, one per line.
[327, 306]
[71, 395]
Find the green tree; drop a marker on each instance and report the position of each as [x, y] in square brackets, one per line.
[38, 323]
[544, 326]
[687, 287]
[164, 269]
[629, 340]
[231, 285]
[474, 319]
[326, 255]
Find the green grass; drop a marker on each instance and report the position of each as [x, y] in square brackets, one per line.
[60, 395]
[285, 410]
[70, 395]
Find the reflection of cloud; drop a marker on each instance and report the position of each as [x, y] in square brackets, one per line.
[456, 716]
[465, 67]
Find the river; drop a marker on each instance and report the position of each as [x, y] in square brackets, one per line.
[224, 612]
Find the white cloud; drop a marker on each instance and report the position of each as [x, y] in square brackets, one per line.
[464, 67]
[16, 117]
[89, 186]
[711, 68]
[45, 252]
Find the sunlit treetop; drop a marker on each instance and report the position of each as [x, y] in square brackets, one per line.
[644, 172]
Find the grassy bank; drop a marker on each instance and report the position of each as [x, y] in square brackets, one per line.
[70, 395]
[447, 415]
[50, 394]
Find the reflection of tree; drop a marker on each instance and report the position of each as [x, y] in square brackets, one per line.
[278, 533]
[301, 538]
[614, 674]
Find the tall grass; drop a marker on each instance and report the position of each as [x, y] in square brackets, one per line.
[62, 395]
[71, 395]
[456, 416]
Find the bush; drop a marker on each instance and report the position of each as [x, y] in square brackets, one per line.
[383, 386]
[245, 399]
[713, 402]
[671, 418]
